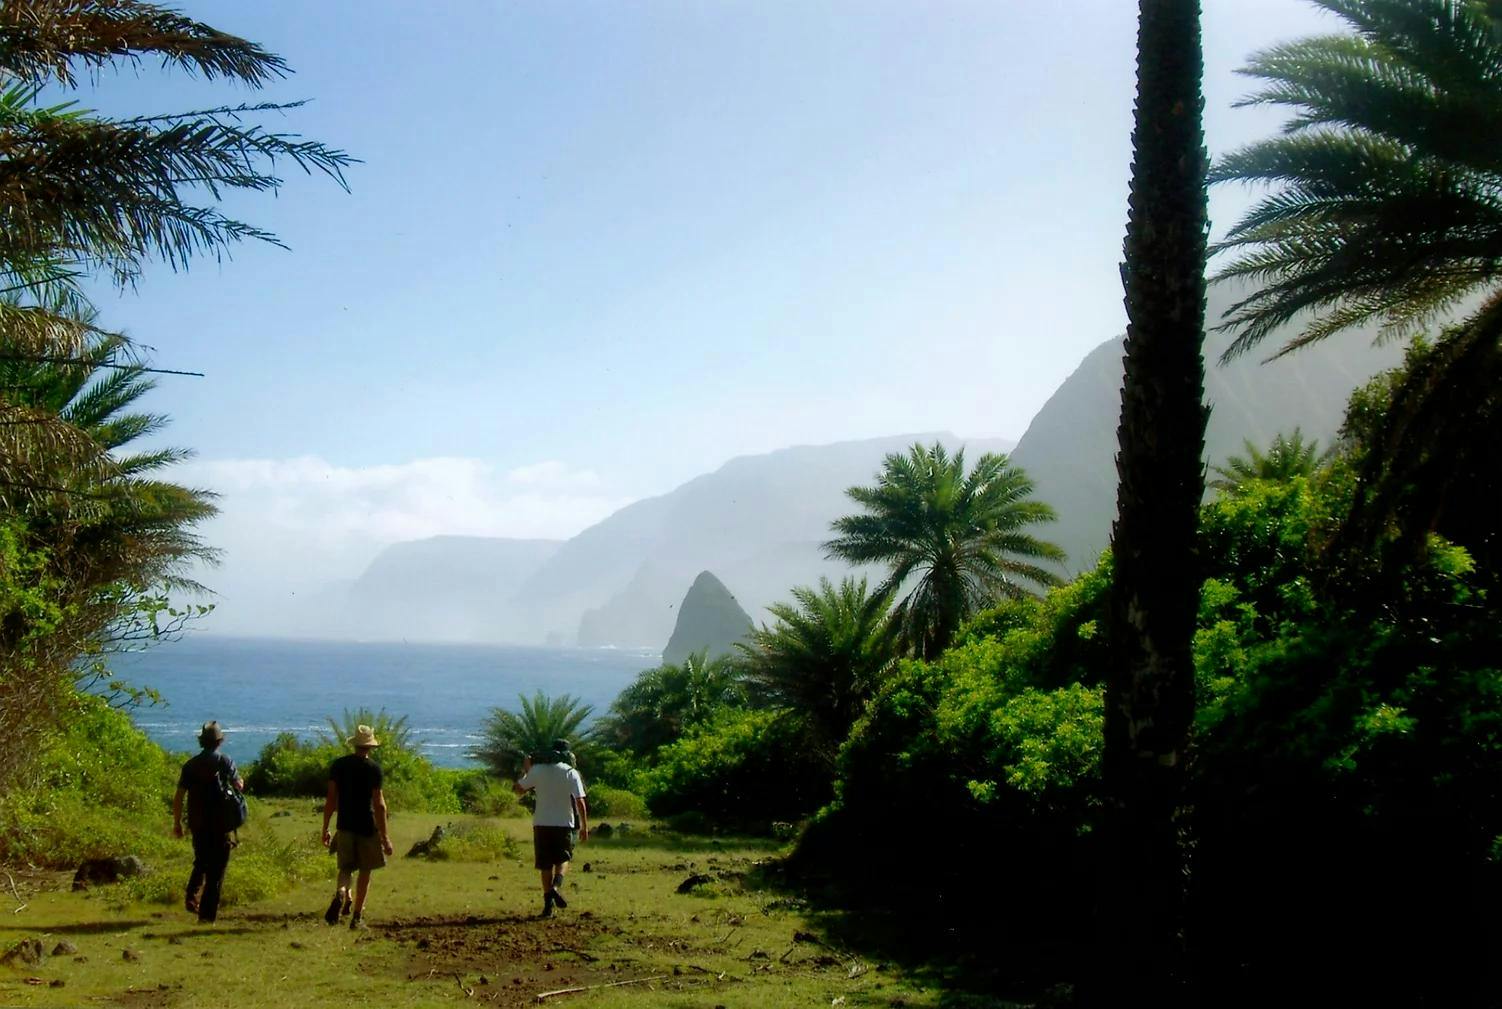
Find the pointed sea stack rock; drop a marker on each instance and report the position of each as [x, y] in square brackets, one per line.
[710, 620]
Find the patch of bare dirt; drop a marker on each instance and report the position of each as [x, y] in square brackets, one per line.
[155, 997]
[510, 960]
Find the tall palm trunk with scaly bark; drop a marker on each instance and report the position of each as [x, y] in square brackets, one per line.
[1154, 595]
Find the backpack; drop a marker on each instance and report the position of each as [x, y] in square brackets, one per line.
[226, 810]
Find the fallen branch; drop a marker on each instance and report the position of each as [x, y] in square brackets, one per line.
[13, 890]
[541, 996]
[586, 957]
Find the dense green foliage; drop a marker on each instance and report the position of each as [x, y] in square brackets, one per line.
[94, 541]
[664, 702]
[288, 766]
[1383, 206]
[822, 658]
[97, 787]
[744, 769]
[1340, 737]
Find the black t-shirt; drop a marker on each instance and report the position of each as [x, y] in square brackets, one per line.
[357, 778]
[200, 777]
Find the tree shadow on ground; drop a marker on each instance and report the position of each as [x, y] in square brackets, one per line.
[97, 927]
[968, 952]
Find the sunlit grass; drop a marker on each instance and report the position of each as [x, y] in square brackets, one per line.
[456, 929]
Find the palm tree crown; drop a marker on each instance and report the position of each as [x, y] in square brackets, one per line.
[823, 657]
[1386, 207]
[1387, 181]
[959, 539]
[509, 736]
[662, 702]
[1284, 459]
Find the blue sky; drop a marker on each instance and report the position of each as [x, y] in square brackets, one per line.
[597, 248]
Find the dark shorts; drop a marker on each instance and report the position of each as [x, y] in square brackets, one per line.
[552, 846]
[358, 851]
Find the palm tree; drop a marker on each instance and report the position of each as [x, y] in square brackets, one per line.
[145, 524]
[665, 701]
[510, 736]
[1284, 459]
[823, 658]
[1385, 206]
[958, 540]
[1156, 579]
[394, 734]
[82, 193]
[79, 189]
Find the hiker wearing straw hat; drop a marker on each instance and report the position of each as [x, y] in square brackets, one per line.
[360, 840]
[203, 779]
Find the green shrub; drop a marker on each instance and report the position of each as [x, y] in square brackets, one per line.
[98, 788]
[290, 767]
[483, 795]
[605, 800]
[742, 770]
[261, 866]
[475, 842]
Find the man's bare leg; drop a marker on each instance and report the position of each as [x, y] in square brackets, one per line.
[362, 883]
[341, 898]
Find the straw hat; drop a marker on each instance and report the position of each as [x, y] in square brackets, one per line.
[210, 733]
[364, 736]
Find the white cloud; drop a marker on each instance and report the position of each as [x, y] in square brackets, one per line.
[425, 497]
[289, 526]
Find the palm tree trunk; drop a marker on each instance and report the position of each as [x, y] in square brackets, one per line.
[1155, 589]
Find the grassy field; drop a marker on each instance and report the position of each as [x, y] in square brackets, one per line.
[457, 930]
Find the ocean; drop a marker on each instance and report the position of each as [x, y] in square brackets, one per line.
[259, 687]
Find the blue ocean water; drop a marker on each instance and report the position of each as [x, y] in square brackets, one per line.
[258, 687]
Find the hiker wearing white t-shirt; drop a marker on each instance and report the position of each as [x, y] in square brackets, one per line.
[560, 810]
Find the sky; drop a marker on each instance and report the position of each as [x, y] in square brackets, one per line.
[595, 249]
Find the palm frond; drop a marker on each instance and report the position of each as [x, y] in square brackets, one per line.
[42, 39]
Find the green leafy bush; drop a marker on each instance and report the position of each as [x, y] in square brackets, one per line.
[483, 795]
[742, 769]
[261, 866]
[605, 800]
[98, 787]
[475, 842]
[290, 767]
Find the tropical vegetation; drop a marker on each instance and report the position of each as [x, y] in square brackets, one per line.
[1251, 756]
[954, 540]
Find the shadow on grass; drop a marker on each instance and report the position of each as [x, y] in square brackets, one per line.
[438, 923]
[201, 932]
[672, 841]
[98, 927]
[973, 956]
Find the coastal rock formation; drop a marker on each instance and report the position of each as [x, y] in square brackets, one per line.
[710, 620]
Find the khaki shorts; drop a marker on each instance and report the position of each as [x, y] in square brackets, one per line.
[358, 851]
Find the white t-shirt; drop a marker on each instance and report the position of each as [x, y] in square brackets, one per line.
[556, 785]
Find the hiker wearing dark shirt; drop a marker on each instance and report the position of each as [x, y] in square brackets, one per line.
[200, 783]
[360, 840]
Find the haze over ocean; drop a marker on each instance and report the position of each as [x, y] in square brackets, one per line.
[258, 687]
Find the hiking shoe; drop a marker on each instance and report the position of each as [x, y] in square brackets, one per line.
[191, 903]
[357, 923]
[557, 896]
[547, 905]
[349, 903]
[332, 914]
